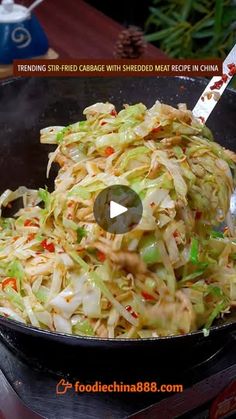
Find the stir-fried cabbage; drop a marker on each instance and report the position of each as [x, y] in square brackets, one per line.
[173, 273]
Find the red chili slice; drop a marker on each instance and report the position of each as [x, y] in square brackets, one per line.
[224, 78]
[198, 215]
[176, 234]
[31, 223]
[217, 85]
[48, 246]
[9, 282]
[157, 129]
[131, 311]
[31, 237]
[109, 151]
[101, 256]
[113, 112]
[147, 296]
[232, 72]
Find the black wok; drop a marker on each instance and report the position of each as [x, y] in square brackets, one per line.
[25, 107]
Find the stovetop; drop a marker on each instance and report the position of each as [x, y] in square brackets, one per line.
[38, 389]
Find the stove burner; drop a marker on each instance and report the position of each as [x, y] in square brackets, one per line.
[36, 387]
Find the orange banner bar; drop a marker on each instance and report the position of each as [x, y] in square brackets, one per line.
[119, 68]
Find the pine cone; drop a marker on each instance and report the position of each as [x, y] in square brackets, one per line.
[130, 43]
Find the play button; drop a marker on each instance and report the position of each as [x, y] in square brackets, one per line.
[118, 209]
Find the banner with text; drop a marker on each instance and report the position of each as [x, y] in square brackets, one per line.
[102, 68]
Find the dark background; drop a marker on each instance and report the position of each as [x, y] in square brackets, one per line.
[127, 12]
[181, 29]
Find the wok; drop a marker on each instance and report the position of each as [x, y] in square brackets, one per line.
[26, 106]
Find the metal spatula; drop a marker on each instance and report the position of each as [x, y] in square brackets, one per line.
[215, 88]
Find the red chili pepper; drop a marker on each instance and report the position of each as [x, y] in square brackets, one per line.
[9, 282]
[198, 215]
[103, 123]
[157, 129]
[147, 296]
[232, 72]
[113, 112]
[31, 223]
[131, 311]
[48, 246]
[176, 234]
[224, 78]
[31, 237]
[101, 256]
[217, 85]
[109, 151]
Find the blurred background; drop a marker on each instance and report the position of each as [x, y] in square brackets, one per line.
[180, 28]
[175, 28]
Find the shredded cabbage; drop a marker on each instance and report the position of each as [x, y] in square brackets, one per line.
[172, 274]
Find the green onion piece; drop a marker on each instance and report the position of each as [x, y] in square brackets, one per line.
[44, 195]
[42, 294]
[217, 234]
[192, 275]
[150, 283]
[178, 152]
[79, 260]
[15, 270]
[194, 255]
[6, 223]
[149, 250]
[194, 251]
[83, 327]
[217, 310]
[206, 332]
[61, 134]
[81, 232]
[80, 125]
[215, 291]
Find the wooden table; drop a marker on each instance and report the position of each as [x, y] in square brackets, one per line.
[77, 30]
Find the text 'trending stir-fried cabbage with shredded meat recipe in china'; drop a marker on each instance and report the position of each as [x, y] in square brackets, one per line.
[174, 273]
